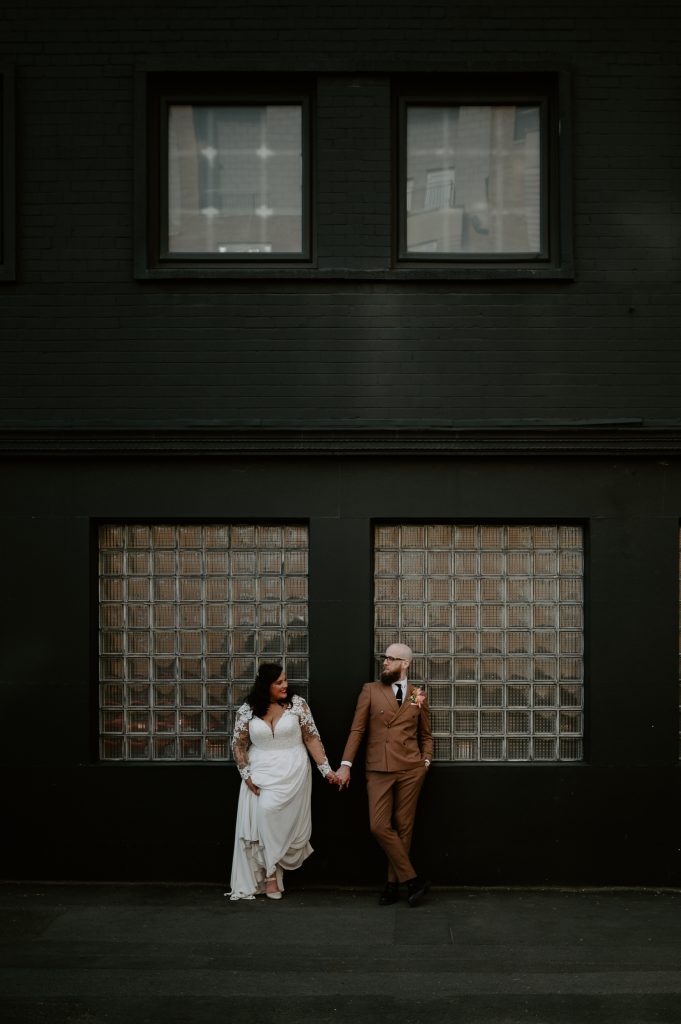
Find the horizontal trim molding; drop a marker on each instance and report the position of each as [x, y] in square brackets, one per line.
[595, 439]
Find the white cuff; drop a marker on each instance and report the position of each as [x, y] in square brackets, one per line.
[348, 763]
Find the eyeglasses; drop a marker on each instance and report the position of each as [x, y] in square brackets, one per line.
[389, 657]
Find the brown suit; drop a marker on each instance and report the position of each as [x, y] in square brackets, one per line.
[398, 743]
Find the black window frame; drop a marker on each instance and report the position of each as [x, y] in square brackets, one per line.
[156, 93]
[548, 91]
[7, 176]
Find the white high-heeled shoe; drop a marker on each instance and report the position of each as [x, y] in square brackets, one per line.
[272, 895]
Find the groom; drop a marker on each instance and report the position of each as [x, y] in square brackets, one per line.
[393, 714]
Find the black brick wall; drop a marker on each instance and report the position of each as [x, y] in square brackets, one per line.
[85, 343]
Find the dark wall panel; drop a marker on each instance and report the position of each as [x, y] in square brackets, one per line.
[609, 819]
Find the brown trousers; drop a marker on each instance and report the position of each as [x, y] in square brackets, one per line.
[392, 808]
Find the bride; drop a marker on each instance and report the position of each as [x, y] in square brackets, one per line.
[273, 823]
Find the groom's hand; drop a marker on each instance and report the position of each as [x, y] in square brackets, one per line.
[343, 774]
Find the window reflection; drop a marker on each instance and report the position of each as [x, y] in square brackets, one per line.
[235, 179]
[473, 180]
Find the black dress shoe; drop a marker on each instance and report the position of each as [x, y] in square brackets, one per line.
[390, 894]
[417, 889]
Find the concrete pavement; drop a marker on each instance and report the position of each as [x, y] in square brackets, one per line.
[113, 954]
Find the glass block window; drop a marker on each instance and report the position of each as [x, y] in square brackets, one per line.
[494, 616]
[186, 614]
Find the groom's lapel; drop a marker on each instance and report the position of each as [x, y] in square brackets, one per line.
[389, 697]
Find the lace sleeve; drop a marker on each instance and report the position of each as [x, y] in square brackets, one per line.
[311, 737]
[241, 740]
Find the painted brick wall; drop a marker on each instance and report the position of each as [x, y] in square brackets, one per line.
[85, 343]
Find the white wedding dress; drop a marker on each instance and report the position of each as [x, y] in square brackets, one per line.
[273, 830]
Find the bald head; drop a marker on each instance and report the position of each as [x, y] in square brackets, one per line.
[396, 661]
[399, 652]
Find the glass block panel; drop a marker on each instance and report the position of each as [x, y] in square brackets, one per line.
[139, 642]
[491, 668]
[439, 563]
[190, 563]
[111, 695]
[545, 696]
[190, 721]
[440, 696]
[465, 722]
[217, 748]
[191, 642]
[491, 749]
[193, 668]
[139, 589]
[570, 696]
[218, 694]
[137, 695]
[465, 696]
[111, 721]
[138, 748]
[165, 695]
[439, 536]
[191, 616]
[163, 615]
[217, 590]
[413, 563]
[189, 607]
[387, 615]
[544, 749]
[190, 536]
[465, 668]
[138, 563]
[545, 722]
[442, 748]
[190, 749]
[111, 615]
[491, 722]
[137, 721]
[412, 615]
[517, 749]
[465, 749]
[466, 589]
[164, 668]
[112, 536]
[441, 721]
[497, 609]
[164, 748]
[492, 564]
[164, 721]
[112, 748]
[570, 749]
[492, 696]
[440, 668]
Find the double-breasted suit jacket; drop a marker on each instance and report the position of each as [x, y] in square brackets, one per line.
[398, 737]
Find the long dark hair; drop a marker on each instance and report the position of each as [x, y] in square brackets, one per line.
[259, 697]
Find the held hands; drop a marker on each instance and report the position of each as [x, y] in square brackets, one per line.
[343, 777]
[332, 778]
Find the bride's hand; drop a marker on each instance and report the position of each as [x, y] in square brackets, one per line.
[252, 786]
[332, 778]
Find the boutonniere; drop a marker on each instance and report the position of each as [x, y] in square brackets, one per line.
[417, 697]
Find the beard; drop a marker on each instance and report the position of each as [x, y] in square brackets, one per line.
[390, 677]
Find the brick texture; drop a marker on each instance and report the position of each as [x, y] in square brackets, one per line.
[84, 343]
